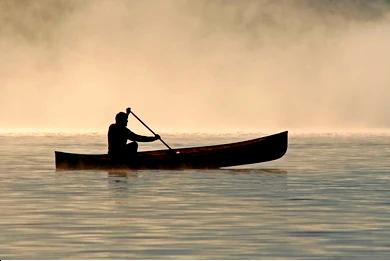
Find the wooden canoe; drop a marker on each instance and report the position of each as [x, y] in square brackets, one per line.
[207, 157]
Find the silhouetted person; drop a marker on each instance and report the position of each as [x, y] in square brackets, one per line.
[118, 134]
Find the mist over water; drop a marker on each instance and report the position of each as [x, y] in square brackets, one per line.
[195, 65]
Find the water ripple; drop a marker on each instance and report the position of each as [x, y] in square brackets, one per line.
[328, 198]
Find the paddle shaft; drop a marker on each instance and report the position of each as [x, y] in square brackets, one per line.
[143, 123]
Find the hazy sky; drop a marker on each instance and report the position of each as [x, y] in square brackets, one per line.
[216, 65]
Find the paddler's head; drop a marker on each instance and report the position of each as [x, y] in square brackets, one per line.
[121, 118]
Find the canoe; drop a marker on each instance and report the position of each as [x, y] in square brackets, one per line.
[207, 157]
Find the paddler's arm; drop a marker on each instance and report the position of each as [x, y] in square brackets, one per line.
[135, 137]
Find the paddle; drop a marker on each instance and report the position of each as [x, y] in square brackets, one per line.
[128, 111]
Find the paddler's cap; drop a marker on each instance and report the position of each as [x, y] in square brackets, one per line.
[121, 116]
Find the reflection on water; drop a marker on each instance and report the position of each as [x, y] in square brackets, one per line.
[256, 170]
[298, 207]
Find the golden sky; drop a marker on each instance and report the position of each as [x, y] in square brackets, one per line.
[217, 66]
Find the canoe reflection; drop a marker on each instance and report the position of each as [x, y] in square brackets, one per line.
[257, 171]
[122, 173]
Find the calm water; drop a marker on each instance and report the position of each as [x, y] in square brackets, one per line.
[329, 197]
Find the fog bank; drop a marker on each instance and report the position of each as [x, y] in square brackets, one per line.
[195, 65]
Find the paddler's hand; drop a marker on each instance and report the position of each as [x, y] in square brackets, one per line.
[157, 137]
[128, 110]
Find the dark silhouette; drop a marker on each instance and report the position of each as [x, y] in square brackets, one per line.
[118, 134]
[205, 157]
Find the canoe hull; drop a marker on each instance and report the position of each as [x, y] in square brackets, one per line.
[208, 157]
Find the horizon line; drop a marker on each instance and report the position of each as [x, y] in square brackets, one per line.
[293, 131]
